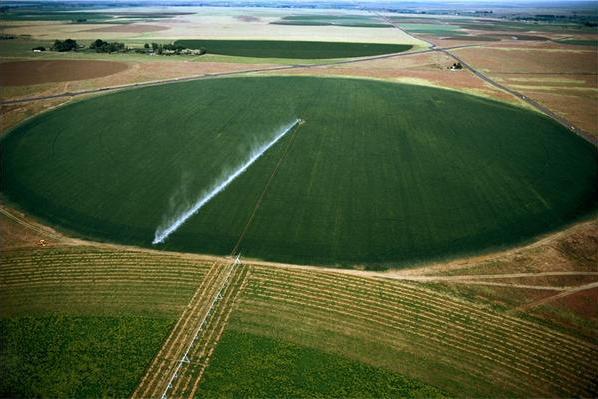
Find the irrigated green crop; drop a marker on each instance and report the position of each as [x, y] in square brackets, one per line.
[379, 173]
[248, 365]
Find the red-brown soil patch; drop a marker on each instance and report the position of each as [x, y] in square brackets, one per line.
[583, 303]
[132, 28]
[23, 73]
[548, 281]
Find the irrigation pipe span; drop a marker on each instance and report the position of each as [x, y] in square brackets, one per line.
[163, 233]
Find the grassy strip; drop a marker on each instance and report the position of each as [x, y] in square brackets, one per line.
[292, 49]
[66, 356]
[247, 365]
[87, 281]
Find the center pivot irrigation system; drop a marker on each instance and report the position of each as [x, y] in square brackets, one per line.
[163, 233]
[202, 325]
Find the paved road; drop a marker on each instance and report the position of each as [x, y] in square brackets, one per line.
[563, 121]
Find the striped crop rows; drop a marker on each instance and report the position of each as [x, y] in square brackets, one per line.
[525, 357]
[312, 307]
[88, 279]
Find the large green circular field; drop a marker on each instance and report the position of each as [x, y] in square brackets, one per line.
[378, 173]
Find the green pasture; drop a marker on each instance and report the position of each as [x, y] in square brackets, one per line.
[433, 29]
[292, 49]
[579, 42]
[247, 365]
[380, 174]
[76, 356]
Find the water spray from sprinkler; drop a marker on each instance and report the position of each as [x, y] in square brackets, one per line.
[162, 233]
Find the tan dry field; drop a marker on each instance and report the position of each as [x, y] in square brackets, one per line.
[428, 69]
[25, 73]
[210, 23]
[561, 77]
[52, 30]
[132, 28]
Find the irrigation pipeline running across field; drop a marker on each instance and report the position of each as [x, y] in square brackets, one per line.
[163, 233]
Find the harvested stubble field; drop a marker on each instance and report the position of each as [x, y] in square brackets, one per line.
[349, 190]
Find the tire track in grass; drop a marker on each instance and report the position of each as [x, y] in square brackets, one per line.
[263, 194]
[258, 204]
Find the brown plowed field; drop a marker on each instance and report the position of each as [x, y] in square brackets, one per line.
[22, 73]
[582, 303]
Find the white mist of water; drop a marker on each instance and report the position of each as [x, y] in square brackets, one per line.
[174, 223]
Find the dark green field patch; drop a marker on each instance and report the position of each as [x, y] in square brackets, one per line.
[247, 365]
[358, 21]
[79, 16]
[76, 357]
[579, 42]
[380, 174]
[292, 49]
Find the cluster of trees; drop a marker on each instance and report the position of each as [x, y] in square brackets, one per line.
[169, 49]
[585, 20]
[101, 46]
[65, 45]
